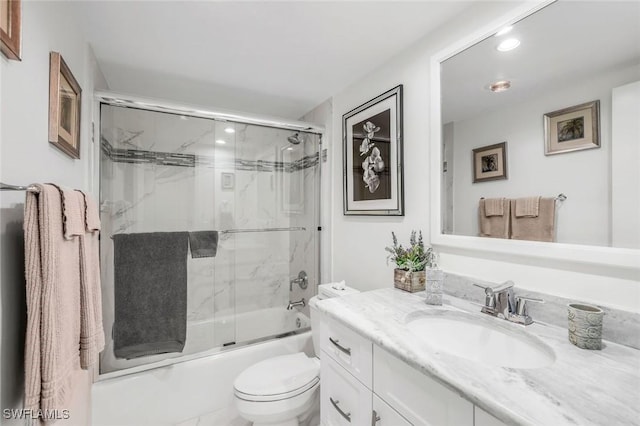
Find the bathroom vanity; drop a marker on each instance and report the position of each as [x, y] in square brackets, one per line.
[387, 360]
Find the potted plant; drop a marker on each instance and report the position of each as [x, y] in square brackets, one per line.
[411, 262]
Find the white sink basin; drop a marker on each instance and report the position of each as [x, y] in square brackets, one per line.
[479, 339]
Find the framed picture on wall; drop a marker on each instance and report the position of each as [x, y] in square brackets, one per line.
[490, 162]
[10, 28]
[572, 129]
[372, 157]
[64, 107]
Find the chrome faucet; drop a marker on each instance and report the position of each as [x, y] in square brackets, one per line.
[521, 315]
[292, 305]
[498, 299]
[500, 302]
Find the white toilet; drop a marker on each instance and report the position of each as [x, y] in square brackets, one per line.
[284, 390]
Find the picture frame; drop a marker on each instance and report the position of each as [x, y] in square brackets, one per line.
[11, 28]
[373, 157]
[64, 107]
[490, 162]
[572, 129]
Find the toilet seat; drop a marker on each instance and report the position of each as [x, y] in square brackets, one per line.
[278, 378]
[278, 397]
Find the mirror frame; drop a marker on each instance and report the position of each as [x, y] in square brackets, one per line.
[571, 253]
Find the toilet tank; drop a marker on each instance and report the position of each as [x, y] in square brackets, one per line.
[325, 291]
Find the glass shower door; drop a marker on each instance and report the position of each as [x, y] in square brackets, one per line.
[157, 175]
[257, 187]
[275, 228]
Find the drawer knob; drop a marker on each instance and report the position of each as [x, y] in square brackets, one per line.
[339, 346]
[335, 403]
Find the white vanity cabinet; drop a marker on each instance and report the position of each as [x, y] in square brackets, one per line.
[345, 376]
[348, 349]
[384, 415]
[344, 400]
[418, 398]
[482, 418]
[364, 385]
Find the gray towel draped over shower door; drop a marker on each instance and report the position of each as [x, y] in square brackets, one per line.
[150, 293]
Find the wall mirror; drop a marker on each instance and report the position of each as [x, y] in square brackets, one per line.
[558, 86]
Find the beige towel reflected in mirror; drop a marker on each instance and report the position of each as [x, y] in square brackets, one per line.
[494, 225]
[530, 218]
[539, 228]
[527, 207]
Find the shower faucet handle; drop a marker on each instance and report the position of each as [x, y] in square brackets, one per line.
[302, 280]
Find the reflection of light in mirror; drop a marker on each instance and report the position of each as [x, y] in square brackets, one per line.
[504, 31]
[500, 86]
[289, 149]
[508, 44]
[230, 130]
[221, 141]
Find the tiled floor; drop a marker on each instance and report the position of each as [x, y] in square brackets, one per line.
[230, 417]
[226, 417]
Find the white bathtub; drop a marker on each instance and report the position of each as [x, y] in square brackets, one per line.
[208, 336]
[177, 393]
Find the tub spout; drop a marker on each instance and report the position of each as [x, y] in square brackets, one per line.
[292, 305]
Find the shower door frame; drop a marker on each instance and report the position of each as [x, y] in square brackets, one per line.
[164, 106]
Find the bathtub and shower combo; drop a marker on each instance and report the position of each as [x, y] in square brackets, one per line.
[256, 183]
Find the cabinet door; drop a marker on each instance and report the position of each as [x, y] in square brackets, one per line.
[343, 399]
[482, 418]
[417, 397]
[384, 415]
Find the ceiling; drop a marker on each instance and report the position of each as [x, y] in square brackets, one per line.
[280, 58]
[566, 42]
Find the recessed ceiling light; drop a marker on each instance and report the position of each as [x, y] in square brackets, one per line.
[500, 86]
[504, 31]
[230, 130]
[508, 44]
[220, 141]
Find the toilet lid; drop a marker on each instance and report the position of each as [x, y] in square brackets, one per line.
[274, 377]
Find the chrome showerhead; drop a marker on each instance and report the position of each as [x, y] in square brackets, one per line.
[295, 139]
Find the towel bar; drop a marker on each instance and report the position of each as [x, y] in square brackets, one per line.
[7, 187]
[238, 231]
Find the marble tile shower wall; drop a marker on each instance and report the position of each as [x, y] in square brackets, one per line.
[163, 173]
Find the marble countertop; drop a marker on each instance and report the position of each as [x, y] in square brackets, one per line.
[580, 388]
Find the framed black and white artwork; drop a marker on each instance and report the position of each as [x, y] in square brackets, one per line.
[372, 157]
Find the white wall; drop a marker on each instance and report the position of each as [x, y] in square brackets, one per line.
[582, 175]
[358, 242]
[25, 157]
[160, 85]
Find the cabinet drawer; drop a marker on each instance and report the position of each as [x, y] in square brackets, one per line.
[482, 418]
[343, 399]
[349, 349]
[384, 415]
[418, 398]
